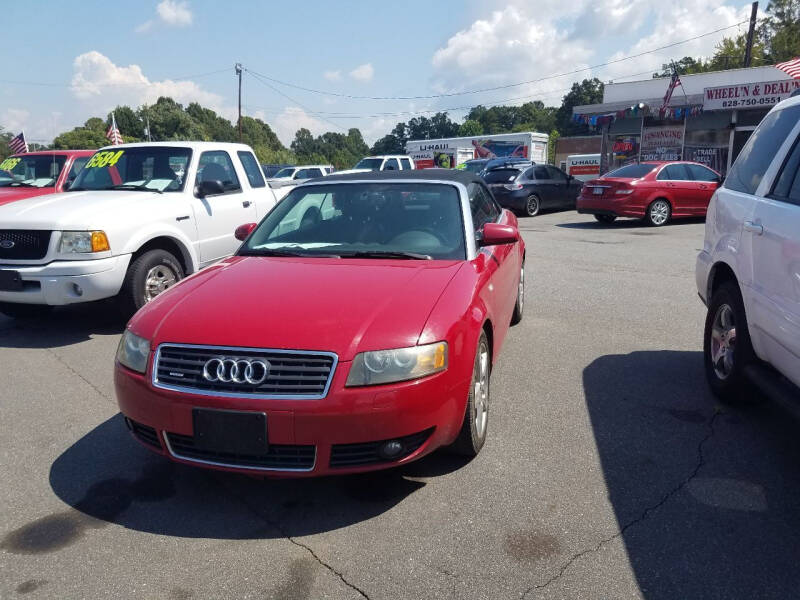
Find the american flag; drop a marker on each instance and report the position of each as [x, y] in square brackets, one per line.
[113, 134]
[674, 82]
[790, 67]
[17, 144]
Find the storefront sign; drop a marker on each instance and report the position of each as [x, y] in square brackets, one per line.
[625, 149]
[748, 95]
[662, 143]
[715, 158]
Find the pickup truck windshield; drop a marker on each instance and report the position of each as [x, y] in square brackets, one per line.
[31, 171]
[284, 173]
[143, 168]
[364, 220]
[373, 164]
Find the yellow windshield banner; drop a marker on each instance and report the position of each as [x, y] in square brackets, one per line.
[9, 164]
[107, 158]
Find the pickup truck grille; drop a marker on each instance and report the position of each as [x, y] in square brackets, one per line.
[290, 374]
[23, 244]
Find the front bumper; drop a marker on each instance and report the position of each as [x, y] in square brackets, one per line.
[55, 283]
[625, 206]
[332, 436]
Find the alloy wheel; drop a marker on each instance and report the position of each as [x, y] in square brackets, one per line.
[481, 391]
[532, 206]
[723, 341]
[158, 279]
[521, 291]
[659, 212]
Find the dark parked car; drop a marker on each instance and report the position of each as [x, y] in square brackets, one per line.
[271, 170]
[528, 189]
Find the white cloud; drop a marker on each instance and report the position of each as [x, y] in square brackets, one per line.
[173, 12]
[144, 27]
[363, 72]
[97, 79]
[14, 119]
[293, 118]
[332, 75]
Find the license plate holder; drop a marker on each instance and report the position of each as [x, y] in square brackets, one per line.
[230, 431]
[598, 191]
[10, 281]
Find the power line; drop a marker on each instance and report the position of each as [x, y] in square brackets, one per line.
[499, 87]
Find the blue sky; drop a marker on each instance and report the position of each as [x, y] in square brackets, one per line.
[88, 56]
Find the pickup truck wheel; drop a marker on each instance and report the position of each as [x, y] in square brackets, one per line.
[472, 436]
[606, 219]
[727, 348]
[658, 213]
[24, 311]
[148, 275]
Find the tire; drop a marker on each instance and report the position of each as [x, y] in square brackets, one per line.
[519, 306]
[727, 349]
[472, 436]
[606, 219]
[658, 213]
[24, 311]
[160, 267]
[532, 205]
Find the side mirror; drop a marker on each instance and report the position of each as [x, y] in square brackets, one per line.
[211, 187]
[495, 234]
[243, 231]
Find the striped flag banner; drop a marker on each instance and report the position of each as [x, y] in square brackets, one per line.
[790, 67]
[113, 134]
[674, 82]
[17, 144]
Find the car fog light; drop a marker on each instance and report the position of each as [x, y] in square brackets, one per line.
[77, 289]
[391, 449]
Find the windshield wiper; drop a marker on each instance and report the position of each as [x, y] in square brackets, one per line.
[386, 254]
[134, 186]
[281, 252]
[25, 183]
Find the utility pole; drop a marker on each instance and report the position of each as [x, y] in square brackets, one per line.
[748, 51]
[239, 73]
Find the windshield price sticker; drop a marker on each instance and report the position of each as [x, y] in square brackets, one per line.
[107, 158]
[9, 164]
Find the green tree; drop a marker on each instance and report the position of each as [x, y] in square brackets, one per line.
[96, 124]
[588, 91]
[551, 146]
[781, 30]
[5, 137]
[129, 124]
[81, 138]
[470, 128]
[168, 121]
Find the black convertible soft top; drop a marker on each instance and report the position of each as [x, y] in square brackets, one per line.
[444, 175]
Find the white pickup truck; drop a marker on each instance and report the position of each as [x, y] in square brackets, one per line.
[387, 162]
[137, 219]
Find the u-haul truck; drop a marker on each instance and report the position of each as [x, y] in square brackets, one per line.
[451, 152]
[583, 166]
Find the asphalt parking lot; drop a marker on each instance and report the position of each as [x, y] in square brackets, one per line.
[610, 472]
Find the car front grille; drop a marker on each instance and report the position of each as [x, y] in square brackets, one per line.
[356, 455]
[143, 433]
[292, 374]
[24, 244]
[279, 457]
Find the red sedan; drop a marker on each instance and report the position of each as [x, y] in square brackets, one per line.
[355, 329]
[653, 191]
[39, 173]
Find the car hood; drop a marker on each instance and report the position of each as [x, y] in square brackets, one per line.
[79, 210]
[12, 194]
[337, 305]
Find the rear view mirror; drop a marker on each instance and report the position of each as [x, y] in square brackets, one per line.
[495, 234]
[210, 187]
[243, 231]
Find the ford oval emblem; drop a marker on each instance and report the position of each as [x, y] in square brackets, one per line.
[6, 244]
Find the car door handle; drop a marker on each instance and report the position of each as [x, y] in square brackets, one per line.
[246, 203]
[753, 227]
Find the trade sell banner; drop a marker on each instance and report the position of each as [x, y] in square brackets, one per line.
[748, 95]
[714, 158]
[662, 143]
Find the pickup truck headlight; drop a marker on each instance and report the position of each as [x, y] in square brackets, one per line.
[401, 364]
[133, 352]
[81, 242]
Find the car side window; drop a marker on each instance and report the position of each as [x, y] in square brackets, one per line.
[754, 159]
[391, 165]
[540, 173]
[251, 169]
[217, 165]
[77, 167]
[787, 185]
[528, 174]
[674, 173]
[700, 173]
[483, 207]
[556, 174]
[406, 163]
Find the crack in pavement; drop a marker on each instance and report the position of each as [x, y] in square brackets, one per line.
[645, 513]
[77, 374]
[260, 515]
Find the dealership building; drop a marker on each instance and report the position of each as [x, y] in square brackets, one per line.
[708, 118]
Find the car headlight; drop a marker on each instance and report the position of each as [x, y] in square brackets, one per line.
[133, 351]
[401, 364]
[82, 242]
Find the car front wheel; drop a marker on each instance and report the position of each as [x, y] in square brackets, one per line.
[476, 416]
[149, 275]
[519, 306]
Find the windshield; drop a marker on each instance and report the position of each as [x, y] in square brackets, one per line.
[373, 164]
[283, 173]
[501, 175]
[421, 220]
[146, 168]
[31, 171]
[632, 171]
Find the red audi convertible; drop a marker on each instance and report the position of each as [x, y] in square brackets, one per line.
[355, 329]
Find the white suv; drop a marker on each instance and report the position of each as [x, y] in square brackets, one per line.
[748, 272]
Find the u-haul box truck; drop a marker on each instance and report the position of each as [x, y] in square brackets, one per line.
[583, 166]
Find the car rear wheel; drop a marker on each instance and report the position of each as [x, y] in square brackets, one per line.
[532, 205]
[607, 219]
[476, 416]
[24, 311]
[727, 348]
[149, 275]
[519, 306]
[658, 213]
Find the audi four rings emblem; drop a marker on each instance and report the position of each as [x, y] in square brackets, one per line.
[236, 370]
